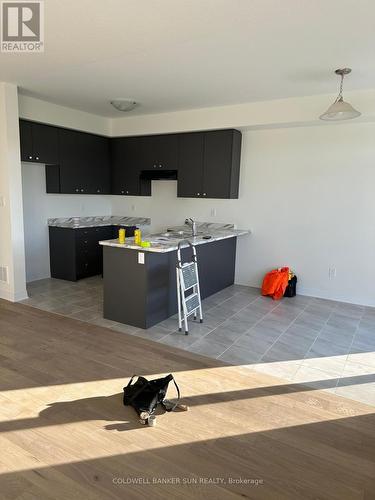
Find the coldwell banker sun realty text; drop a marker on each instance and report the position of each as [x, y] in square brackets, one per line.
[22, 26]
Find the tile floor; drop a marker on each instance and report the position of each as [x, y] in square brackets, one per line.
[324, 344]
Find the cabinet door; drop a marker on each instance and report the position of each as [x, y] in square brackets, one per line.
[84, 163]
[74, 175]
[190, 171]
[45, 143]
[217, 164]
[26, 141]
[159, 152]
[125, 166]
[98, 165]
[53, 179]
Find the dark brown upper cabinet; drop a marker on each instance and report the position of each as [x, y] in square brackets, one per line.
[26, 141]
[190, 172]
[39, 142]
[158, 152]
[209, 164]
[84, 163]
[125, 178]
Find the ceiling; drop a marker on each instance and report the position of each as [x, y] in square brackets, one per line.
[181, 54]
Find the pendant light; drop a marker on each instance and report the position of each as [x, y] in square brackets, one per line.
[340, 110]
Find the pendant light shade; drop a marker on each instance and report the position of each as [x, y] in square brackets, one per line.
[340, 109]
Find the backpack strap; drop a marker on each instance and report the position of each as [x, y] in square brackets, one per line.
[130, 381]
[168, 408]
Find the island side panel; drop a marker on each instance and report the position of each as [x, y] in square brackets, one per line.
[125, 287]
[216, 268]
[216, 265]
[161, 287]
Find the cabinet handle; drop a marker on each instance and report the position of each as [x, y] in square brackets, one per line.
[160, 165]
[77, 190]
[198, 194]
[122, 191]
[30, 157]
[85, 242]
[204, 194]
[81, 190]
[154, 166]
[127, 192]
[98, 190]
[37, 157]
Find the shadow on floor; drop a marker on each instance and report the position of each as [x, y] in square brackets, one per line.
[328, 459]
[111, 408]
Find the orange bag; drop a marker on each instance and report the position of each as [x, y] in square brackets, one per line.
[275, 283]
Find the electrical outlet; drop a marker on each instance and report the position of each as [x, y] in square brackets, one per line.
[331, 273]
[4, 273]
[141, 258]
[213, 212]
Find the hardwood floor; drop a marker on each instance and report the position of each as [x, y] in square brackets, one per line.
[66, 435]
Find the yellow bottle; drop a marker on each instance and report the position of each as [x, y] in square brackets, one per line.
[137, 237]
[121, 236]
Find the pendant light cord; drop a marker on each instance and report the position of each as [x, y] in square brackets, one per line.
[339, 97]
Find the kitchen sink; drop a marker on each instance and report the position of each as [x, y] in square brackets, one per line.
[180, 234]
[174, 237]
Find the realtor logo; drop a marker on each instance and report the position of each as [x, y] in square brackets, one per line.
[22, 26]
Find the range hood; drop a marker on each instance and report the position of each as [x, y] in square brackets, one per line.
[159, 175]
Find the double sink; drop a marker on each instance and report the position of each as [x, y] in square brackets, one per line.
[173, 237]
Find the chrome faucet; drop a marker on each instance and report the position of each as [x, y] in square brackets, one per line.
[191, 222]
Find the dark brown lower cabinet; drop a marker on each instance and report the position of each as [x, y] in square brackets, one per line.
[76, 253]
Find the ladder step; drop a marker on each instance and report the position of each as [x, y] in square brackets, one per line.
[192, 302]
[189, 275]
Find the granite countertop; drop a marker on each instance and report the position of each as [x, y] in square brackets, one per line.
[98, 221]
[162, 242]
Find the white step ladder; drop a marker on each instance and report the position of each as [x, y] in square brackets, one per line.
[188, 281]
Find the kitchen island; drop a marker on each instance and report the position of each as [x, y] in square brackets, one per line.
[140, 283]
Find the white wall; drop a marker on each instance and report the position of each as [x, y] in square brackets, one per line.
[31, 108]
[308, 196]
[38, 207]
[12, 254]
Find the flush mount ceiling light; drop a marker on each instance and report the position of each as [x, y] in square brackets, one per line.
[340, 110]
[124, 104]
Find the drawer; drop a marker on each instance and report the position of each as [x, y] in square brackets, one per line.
[88, 265]
[88, 244]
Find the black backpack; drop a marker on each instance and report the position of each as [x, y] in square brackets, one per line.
[291, 289]
[145, 395]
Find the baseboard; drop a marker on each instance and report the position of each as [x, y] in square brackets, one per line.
[37, 278]
[6, 294]
[20, 296]
[324, 294]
